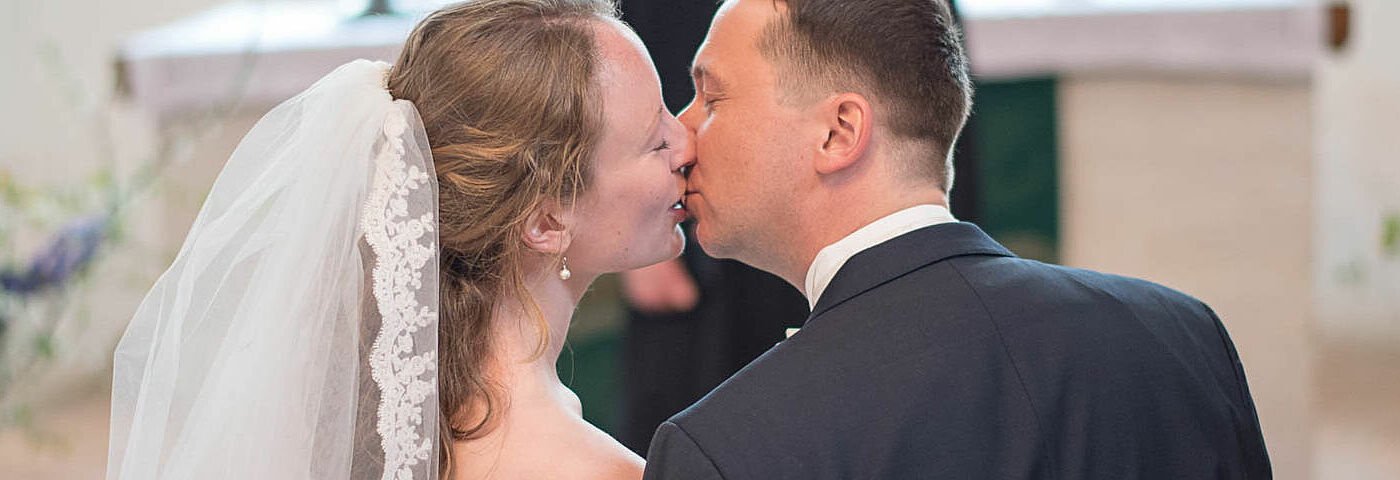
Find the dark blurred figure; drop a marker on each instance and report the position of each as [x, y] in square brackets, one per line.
[694, 322]
[966, 197]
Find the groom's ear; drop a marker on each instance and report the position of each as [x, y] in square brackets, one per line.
[849, 122]
[546, 231]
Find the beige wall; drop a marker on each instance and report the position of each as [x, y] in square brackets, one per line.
[1204, 185]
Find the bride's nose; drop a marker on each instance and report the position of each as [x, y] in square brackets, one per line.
[685, 154]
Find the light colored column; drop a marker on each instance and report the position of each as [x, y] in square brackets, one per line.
[1357, 110]
[1356, 274]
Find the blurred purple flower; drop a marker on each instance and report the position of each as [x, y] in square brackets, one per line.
[69, 251]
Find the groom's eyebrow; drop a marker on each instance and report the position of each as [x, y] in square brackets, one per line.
[705, 79]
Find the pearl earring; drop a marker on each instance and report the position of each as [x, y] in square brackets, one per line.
[564, 272]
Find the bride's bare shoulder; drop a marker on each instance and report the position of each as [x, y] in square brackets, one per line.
[596, 455]
[544, 447]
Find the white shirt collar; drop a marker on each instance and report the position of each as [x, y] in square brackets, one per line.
[830, 259]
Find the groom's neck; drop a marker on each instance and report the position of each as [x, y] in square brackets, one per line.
[834, 215]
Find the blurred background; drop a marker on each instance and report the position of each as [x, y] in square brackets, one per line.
[1244, 151]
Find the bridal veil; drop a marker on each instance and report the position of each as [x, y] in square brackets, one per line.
[295, 334]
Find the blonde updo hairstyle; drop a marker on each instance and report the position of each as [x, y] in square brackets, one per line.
[506, 92]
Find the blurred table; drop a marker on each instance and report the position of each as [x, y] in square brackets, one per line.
[265, 52]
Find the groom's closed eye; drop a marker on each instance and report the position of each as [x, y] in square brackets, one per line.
[710, 103]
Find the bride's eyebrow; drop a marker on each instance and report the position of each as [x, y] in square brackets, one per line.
[656, 119]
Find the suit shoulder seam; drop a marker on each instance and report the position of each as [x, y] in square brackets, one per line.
[691, 438]
[1020, 379]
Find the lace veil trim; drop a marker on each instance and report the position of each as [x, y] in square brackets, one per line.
[403, 244]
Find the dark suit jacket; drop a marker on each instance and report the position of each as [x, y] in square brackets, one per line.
[939, 354]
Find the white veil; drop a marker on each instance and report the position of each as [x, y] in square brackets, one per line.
[295, 335]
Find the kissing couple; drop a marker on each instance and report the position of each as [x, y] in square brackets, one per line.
[381, 280]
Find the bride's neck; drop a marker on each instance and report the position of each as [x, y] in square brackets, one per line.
[524, 362]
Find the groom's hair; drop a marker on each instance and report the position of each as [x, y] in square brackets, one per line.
[904, 55]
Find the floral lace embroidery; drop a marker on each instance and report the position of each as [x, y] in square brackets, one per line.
[402, 247]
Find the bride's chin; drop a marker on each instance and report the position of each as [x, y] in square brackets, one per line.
[674, 246]
[679, 237]
[663, 251]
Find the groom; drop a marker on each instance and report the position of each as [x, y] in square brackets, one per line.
[822, 134]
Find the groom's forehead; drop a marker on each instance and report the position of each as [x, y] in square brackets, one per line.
[739, 23]
[734, 33]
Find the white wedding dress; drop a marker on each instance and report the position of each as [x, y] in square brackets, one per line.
[295, 334]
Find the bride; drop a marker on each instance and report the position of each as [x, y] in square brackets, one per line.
[395, 237]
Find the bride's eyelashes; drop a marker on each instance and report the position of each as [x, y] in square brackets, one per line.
[665, 145]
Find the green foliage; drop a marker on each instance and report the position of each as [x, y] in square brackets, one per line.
[1390, 234]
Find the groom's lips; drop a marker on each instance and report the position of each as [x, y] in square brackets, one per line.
[685, 202]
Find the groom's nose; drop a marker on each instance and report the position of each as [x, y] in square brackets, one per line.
[687, 116]
[685, 157]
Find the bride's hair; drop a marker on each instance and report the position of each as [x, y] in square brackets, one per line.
[505, 89]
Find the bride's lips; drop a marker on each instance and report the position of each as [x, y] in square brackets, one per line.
[678, 210]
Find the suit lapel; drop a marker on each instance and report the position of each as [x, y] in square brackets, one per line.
[900, 255]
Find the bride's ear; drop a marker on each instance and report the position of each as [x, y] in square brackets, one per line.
[547, 231]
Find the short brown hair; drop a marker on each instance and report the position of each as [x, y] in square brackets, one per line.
[907, 54]
[506, 92]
